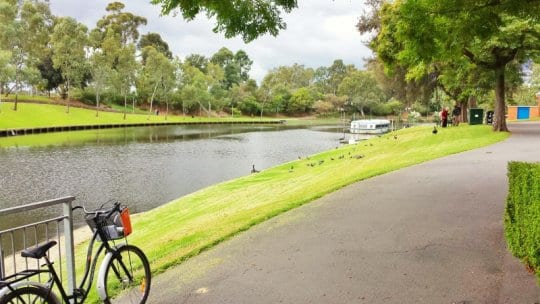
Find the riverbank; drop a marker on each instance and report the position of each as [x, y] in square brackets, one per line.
[36, 116]
[183, 228]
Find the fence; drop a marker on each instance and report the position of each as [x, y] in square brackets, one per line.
[14, 240]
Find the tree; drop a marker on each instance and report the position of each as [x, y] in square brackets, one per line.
[194, 90]
[122, 23]
[159, 73]
[336, 72]
[101, 73]
[68, 41]
[6, 70]
[24, 30]
[154, 40]
[198, 61]
[302, 100]
[361, 89]
[168, 81]
[247, 18]
[236, 66]
[244, 63]
[242, 94]
[394, 83]
[125, 72]
[51, 75]
[491, 35]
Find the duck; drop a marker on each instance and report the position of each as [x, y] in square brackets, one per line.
[253, 170]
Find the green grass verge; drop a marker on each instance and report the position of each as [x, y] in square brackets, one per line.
[185, 227]
[30, 115]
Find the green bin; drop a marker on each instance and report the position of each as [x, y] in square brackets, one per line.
[476, 116]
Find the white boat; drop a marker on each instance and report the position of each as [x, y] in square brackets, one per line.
[370, 126]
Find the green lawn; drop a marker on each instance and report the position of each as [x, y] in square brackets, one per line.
[183, 228]
[29, 115]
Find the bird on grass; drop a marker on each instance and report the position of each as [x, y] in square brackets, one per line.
[434, 130]
[253, 170]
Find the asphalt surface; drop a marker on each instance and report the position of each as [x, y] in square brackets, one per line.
[430, 233]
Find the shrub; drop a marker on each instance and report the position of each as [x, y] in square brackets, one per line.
[88, 97]
[522, 215]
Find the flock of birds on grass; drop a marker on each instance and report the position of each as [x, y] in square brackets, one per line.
[342, 156]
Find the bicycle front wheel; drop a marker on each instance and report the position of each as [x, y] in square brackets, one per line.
[29, 295]
[127, 276]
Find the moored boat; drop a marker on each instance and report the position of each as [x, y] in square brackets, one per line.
[370, 126]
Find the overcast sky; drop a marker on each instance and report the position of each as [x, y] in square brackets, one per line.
[318, 32]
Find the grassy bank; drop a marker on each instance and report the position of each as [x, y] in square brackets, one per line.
[183, 228]
[29, 115]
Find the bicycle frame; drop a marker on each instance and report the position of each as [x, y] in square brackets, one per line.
[81, 292]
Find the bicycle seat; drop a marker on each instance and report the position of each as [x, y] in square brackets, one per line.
[39, 251]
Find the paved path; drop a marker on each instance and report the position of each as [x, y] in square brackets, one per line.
[431, 233]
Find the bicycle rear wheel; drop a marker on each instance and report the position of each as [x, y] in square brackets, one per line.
[127, 276]
[29, 295]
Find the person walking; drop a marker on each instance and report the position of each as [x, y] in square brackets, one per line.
[444, 117]
[456, 115]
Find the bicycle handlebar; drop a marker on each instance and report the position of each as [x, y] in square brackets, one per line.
[108, 211]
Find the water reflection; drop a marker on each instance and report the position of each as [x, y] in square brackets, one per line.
[147, 167]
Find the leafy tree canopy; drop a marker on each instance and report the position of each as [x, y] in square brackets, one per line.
[154, 40]
[246, 18]
[123, 23]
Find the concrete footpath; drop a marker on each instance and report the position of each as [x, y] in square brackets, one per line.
[430, 233]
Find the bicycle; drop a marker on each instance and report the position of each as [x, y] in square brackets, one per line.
[124, 268]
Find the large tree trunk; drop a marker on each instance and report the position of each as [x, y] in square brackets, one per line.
[499, 119]
[464, 110]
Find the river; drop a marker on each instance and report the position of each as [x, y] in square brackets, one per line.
[147, 167]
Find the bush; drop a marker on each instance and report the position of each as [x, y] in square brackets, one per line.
[88, 97]
[522, 215]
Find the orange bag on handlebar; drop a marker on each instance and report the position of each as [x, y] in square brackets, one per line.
[126, 222]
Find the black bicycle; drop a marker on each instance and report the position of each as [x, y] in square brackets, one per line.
[123, 277]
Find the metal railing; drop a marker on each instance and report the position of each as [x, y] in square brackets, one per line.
[58, 228]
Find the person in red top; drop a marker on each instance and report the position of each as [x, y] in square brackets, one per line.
[444, 117]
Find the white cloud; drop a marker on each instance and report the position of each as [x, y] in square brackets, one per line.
[318, 32]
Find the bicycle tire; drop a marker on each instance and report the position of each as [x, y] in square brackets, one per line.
[127, 277]
[29, 295]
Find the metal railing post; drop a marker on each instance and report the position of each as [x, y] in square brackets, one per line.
[2, 266]
[70, 246]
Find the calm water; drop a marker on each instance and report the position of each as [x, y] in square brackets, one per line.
[147, 167]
